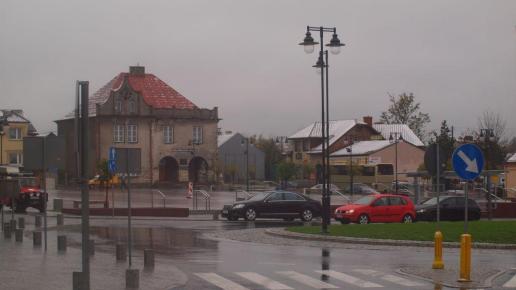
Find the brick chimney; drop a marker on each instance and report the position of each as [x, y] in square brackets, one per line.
[368, 120]
[137, 70]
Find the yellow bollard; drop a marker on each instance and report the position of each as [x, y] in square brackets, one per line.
[465, 258]
[438, 251]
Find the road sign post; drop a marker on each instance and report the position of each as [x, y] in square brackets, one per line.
[468, 162]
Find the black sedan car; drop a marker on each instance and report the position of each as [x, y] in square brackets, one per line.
[274, 204]
[451, 209]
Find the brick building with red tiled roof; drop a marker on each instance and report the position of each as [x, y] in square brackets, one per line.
[177, 139]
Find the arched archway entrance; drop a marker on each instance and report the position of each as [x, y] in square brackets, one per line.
[198, 170]
[168, 169]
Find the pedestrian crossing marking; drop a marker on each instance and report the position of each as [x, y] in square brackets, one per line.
[307, 280]
[264, 281]
[349, 279]
[220, 281]
[390, 278]
[511, 283]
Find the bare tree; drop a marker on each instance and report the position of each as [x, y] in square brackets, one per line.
[495, 122]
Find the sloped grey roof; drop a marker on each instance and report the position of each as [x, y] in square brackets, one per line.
[221, 139]
[408, 135]
[512, 158]
[337, 129]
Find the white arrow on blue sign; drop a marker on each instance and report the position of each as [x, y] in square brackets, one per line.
[112, 153]
[468, 161]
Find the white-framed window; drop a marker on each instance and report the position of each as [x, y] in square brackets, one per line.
[118, 105]
[197, 135]
[132, 133]
[15, 133]
[16, 158]
[131, 106]
[168, 134]
[118, 133]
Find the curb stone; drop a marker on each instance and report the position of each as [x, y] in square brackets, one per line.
[314, 237]
[487, 283]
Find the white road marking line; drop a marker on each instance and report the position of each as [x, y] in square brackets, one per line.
[220, 281]
[263, 281]
[307, 280]
[511, 282]
[349, 279]
[390, 278]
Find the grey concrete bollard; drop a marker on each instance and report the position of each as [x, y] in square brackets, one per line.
[58, 204]
[37, 221]
[19, 235]
[21, 222]
[148, 258]
[61, 243]
[77, 280]
[36, 239]
[60, 219]
[7, 231]
[121, 252]
[13, 225]
[132, 278]
[92, 247]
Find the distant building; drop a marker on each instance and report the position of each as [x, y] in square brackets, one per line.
[176, 139]
[13, 127]
[510, 176]
[233, 155]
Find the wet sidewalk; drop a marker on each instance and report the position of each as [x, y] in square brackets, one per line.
[23, 266]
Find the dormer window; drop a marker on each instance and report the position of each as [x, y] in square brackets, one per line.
[131, 106]
[118, 105]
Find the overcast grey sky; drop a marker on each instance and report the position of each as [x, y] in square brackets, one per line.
[457, 57]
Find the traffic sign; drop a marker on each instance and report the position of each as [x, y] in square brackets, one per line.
[112, 153]
[431, 159]
[111, 166]
[468, 161]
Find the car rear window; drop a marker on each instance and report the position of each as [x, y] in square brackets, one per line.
[395, 201]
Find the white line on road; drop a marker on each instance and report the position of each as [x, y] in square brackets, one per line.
[349, 279]
[511, 282]
[307, 280]
[387, 277]
[220, 281]
[264, 281]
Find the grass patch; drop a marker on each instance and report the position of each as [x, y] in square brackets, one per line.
[499, 232]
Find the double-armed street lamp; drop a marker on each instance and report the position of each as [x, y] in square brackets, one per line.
[395, 137]
[349, 149]
[487, 137]
[322, 67]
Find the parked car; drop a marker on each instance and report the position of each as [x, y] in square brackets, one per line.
[451, 209]
[98, 182]
[274, 204]
[361, 188]
[29, 195]
[377, 208]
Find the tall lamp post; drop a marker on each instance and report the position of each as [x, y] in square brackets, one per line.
[487, 137]
[395, 137]
[245, 140]
[1, 145]
[322, 67]
[349, 149]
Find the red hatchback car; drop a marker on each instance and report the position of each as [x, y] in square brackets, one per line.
[377, 208]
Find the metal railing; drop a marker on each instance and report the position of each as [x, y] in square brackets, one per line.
[160, 194]
[203, 195]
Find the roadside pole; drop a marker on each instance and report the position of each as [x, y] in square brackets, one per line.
[468, 162]
[129, 231]
[44, 183]
[438, 177]
[438, 236]
[85, 198]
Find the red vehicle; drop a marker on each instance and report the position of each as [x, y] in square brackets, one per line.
[377, 208]
[29, 195]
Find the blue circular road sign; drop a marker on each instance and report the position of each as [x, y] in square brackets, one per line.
[468, 161]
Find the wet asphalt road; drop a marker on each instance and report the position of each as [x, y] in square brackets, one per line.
[234, 265]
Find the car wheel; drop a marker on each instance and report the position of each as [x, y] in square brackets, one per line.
[307, 215]
[363, 219]
[407, 219]
[250, 214]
